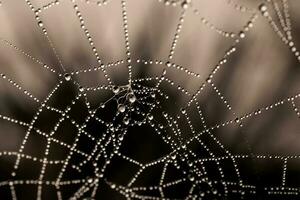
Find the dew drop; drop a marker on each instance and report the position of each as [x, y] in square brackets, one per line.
[67, 77]
[184, 5]
[262, 7]
[164, 72]
[40, 23]
[121, 108]
[191, 178]
[126, 121]
[150, 117]
[208, 80]
[131, 97]
[116, 89]
[168, 64]
[102, 105]
[242, 34]
[81, 89]
[250, 24]
[183, 111]
[90, 180]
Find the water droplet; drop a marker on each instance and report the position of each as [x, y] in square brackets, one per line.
[121, 108]
[183, 111]
[131, 97]
[150, 117]
[262, 7]
[40, 23]
[191, 178]
[208, 80]
[164, 72]
[242, 34]
[250, 24]
[81, 89]
[116, 89]
[126, 121]
[168, 64]
[102, 105]
[67, 77]
[90, 180]
[185, 5]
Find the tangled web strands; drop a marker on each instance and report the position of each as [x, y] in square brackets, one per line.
[151, 136]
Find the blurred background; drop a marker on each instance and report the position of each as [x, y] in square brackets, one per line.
[261, 72]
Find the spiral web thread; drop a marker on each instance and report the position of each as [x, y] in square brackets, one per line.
[134, 95]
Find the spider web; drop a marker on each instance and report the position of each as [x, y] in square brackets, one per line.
[191, 161]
